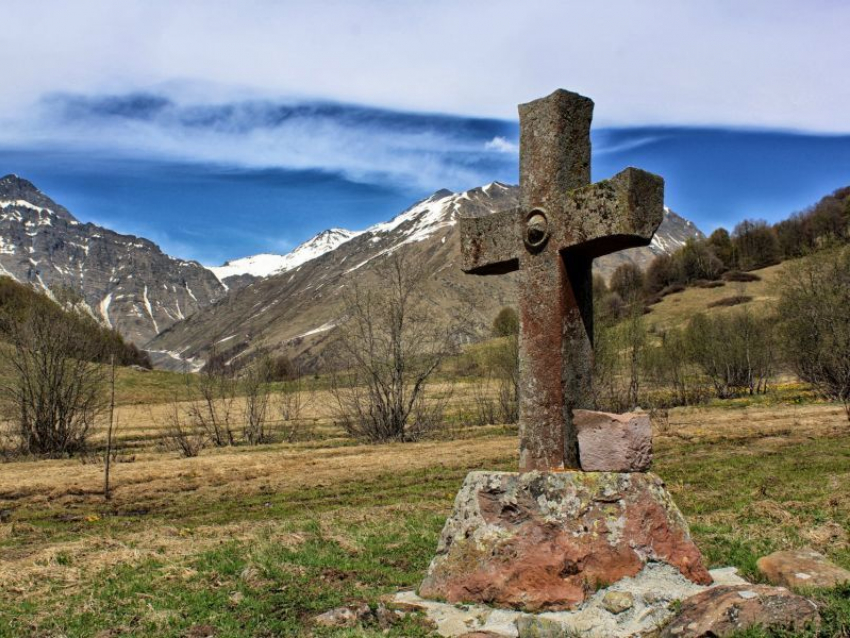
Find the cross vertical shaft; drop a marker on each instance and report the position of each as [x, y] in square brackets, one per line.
[554, 160]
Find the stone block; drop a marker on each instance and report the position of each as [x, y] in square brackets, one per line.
[801, 568]
[613, 442]
[724, 611]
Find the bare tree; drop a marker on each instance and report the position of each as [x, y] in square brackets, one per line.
[52, 389]
[296, 396]
[255, 386]
[813, 308]
[386, 351]
[627, 281]
[505, 365]
[736, 351]
[668, 365]
[181, 433]
[483, 407]
[755, 244]
[214, 410]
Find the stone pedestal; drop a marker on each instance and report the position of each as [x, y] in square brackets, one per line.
[549, 541]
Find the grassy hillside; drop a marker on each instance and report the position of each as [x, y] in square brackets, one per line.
[676, 309]
[19, 301]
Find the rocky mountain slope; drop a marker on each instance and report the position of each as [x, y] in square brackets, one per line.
[127, 282]
[294, 308]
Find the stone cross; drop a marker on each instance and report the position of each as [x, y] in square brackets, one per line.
[562, 224]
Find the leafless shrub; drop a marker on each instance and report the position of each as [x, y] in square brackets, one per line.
[386, 351]
[610, 387]
[506, 368]
[213, 412]
[660, 416]
[182, 434]
[483, 407]
[297, 395]
[255, 386]
[428, 416]
[668, 368]
[9, 445]
[52, 390]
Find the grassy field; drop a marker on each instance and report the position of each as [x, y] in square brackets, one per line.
[255, 541]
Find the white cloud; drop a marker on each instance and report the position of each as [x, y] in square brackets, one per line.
[501, 145]
[363, 144]
[777, 63]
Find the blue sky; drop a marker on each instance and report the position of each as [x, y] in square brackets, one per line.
[220, 131]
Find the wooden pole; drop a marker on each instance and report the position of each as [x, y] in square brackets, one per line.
[107, 492]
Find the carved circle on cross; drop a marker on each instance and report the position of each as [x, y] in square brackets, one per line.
[536, 229]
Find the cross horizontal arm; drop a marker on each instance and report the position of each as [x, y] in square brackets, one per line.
[621, 212]
[490, 245]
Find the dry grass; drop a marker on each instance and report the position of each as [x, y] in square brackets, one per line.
[676, 310]
[163, 486]
[749, 480]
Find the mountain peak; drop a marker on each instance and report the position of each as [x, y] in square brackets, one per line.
[441, 194]
[12, 186]
[268, 264]
[295, 311]
[332, 231]
[15, 189]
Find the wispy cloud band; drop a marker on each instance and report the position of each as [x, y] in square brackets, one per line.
[359, 142]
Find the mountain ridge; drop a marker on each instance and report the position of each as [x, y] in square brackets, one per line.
[127, 282]
[267, 264]
[294, 311]
[180, 310]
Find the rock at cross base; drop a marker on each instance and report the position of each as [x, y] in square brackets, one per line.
[801, 568]
[613, 442]
[546, 541]
[723, 611]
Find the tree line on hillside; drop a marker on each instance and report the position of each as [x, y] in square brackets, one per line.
[724, 354]
[752, 244]
[20, 304]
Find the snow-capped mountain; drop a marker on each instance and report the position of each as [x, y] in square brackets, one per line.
[295, 309]
[675, 232]
[267, 264]
[425, 217]
[290, 302]
[127, 282]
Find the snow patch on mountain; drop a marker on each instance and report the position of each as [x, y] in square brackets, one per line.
[21, 203]
[104, 309]
[416, 224]
[267, 264]
[422, 220]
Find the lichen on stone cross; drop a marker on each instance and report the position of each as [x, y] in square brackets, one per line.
[562, 224]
